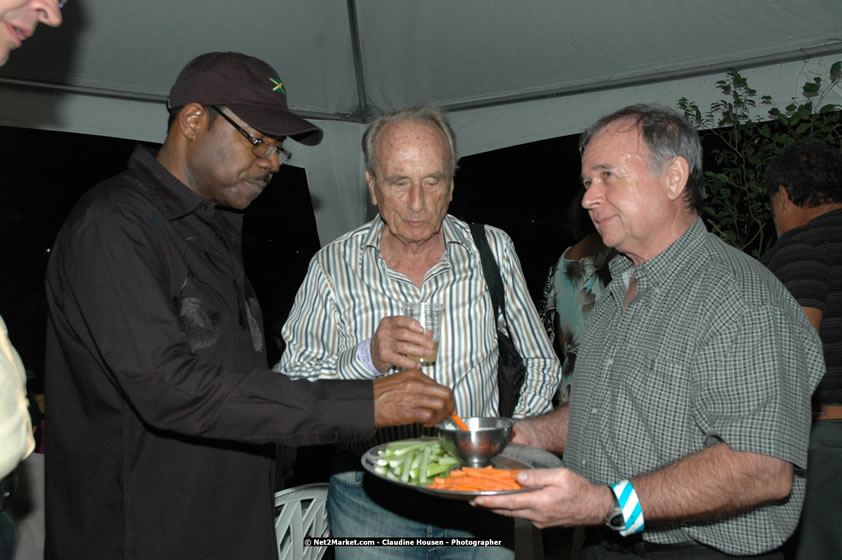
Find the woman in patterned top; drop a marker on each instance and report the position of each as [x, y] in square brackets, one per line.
[574, 284]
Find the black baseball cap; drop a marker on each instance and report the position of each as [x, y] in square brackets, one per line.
[246, 85]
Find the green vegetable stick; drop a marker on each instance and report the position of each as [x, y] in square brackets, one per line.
[404, 444]
[422, 478]
[437, 469]
[406, 449]
[407, 466]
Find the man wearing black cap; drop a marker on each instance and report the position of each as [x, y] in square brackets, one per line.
[162, 408]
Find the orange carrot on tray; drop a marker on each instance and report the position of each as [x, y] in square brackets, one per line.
[485, 479]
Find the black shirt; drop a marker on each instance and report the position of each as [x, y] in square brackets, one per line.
[808, 261]
[161, 407]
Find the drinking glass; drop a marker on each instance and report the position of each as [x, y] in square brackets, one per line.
[429, 315]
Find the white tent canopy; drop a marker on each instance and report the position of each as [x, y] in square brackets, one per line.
[509, 72]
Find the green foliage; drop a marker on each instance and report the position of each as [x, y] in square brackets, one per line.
[741, 145]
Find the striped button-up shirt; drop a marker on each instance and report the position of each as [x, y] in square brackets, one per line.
[349, 289]
[712, 349]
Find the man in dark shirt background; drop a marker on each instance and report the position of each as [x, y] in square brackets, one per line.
[163, 410]
[804, 184]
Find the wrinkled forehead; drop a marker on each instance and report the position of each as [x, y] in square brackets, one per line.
[413, 131]
[411, 136]
[622, 135]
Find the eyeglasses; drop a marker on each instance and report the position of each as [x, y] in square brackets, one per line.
[261, 148]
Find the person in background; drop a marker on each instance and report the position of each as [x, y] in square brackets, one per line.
[16, 441]
[804, 184]
[573, 286]
[19, 19]
[164, 413]
[687, 431]
[346, 323]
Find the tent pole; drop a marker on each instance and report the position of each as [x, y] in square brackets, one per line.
[362, 112]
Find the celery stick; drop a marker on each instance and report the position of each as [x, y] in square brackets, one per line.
[404, 444]
[422, 478]
[414, 461]
[405, 448]
[438, 469]
[407, 466]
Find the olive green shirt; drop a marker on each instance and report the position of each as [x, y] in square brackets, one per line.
[712, 349]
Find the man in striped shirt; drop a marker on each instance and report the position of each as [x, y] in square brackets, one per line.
[346, 324]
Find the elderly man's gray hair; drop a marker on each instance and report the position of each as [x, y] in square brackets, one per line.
[667, 135]
[420, 113]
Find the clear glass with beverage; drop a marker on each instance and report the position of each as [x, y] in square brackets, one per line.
[430, 317]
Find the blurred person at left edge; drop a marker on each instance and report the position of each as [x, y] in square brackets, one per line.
[19, 19]
[162, 407]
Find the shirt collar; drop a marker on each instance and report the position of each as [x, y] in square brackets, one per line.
[450, 228]
[832, 216]
[660, 269]
[454, 236]
[174, 197]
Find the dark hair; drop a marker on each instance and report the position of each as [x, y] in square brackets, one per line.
[420, 113]
[579, 223]
[667, 135]
[810, 171]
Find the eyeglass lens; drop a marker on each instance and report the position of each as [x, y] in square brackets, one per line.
[260, 148]
[266, 150]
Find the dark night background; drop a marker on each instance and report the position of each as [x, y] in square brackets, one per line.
[525, 190]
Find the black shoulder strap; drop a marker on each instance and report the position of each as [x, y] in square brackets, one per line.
[489, 268]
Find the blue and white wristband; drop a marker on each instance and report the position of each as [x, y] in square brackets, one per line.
[630, 505]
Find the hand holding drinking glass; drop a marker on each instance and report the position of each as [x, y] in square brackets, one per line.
[401, 339]
[430, 317]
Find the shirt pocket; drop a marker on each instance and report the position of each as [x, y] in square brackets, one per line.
[650, 410]
[201, 312]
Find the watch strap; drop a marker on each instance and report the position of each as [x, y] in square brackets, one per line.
[630, 507]
[614, 520]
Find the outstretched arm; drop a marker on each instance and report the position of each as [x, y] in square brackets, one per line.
[548, 431]
[703, 485]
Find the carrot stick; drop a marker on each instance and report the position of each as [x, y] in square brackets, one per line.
[490, 477]
[468, 479]
[489, 471]
[459, 422]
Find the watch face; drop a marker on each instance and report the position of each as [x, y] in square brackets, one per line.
[615, 520]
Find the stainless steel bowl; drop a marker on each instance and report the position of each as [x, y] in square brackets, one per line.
[476, 447]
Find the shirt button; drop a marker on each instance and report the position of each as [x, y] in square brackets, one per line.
[594, 410]
[609, 362]
[584, 462]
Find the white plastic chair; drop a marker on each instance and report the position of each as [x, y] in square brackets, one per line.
[301, 513]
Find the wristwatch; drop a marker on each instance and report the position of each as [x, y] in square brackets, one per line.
[615, 520]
